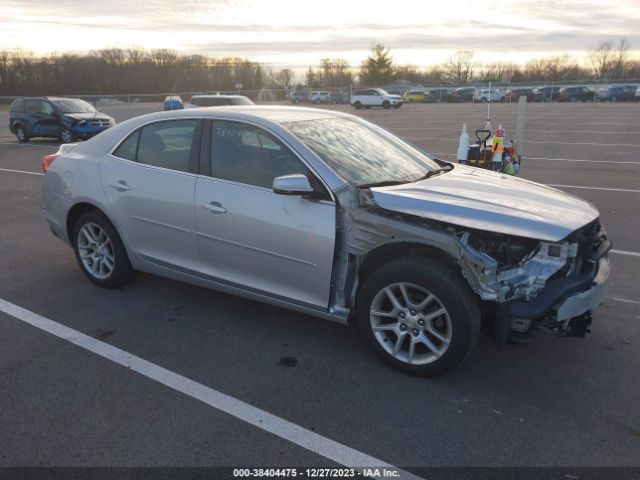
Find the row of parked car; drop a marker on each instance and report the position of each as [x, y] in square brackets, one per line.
[613, 93]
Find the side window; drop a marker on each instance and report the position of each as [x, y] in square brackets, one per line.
[32, 106]
[163, 144]
[18, 106]
[129, 148]
[246, 154]
[46, 108]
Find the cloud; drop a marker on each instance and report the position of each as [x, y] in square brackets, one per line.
[288, 28]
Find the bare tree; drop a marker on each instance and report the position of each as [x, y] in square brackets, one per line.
[459, 67]
[601, 57]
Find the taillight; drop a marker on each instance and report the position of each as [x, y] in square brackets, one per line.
[47, 160]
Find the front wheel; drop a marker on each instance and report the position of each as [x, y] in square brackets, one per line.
[419, 315]
[100, 251]
[21, 135]
[386, 104]
[66, 136]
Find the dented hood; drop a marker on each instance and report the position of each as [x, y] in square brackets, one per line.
[483, 200]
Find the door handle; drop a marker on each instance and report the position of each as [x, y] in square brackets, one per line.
[120, 185]
[214, 207]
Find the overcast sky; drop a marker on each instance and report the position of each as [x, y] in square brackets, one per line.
[298, 33]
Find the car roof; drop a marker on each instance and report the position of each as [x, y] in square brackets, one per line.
[218, 96]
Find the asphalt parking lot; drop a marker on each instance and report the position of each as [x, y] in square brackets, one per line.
[556, 402]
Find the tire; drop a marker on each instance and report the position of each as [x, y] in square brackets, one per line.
[358, 105]
[614, 99]
[484, 100]
[66, 136]
[21, 135]
[386, 104]
[458, 326]
[93, 227]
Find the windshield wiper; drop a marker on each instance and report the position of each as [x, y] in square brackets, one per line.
[386, 183]
[447, 168]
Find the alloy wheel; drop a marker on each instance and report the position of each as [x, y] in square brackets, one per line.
[410, 323]
[96, 251]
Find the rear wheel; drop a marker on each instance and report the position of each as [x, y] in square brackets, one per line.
[419, 315]
[21, 134]
[358, 105]
[100, 251]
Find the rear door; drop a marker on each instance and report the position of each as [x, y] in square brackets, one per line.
[248, 235]
[149, 183]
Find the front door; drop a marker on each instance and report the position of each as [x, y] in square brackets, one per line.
[251, 237]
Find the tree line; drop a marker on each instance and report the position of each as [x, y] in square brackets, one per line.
[138, 71]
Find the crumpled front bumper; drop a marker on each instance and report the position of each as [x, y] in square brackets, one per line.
[565, 304]
[586, 300]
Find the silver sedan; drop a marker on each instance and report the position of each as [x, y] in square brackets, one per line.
[327, 214]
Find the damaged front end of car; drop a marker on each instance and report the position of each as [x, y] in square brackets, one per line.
[523, 283]
[554, 286]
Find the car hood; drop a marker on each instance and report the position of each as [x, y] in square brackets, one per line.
[86, 116]
[478, 199]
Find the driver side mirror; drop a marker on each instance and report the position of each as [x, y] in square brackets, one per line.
[296, 184]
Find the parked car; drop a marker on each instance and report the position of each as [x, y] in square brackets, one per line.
[338, 97]
[173, 102]
[574, 94]
[485, 95]
[545, 94]
[299, 96]
[375, 97]
[438, 95]
[616, 93]
[514, 94]
[462, 94]
[330, 215]
[217, 100]
[320, 96]
[417, 96]
[68, 119]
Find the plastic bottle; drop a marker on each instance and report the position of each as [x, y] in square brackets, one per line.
[463, 146]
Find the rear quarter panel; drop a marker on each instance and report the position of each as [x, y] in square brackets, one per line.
[73, 178]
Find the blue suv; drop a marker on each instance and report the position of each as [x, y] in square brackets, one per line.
[68, 119]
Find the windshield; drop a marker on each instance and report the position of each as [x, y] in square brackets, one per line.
[70, 105]
[242, 101]
[362, 153]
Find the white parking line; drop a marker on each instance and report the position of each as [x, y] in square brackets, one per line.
[411, 139]
[555, 159]
[625, 300]
[625, 252]
[578, 160]
[20, 171]
[584, 143]
[257, 417]
[595, 188]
